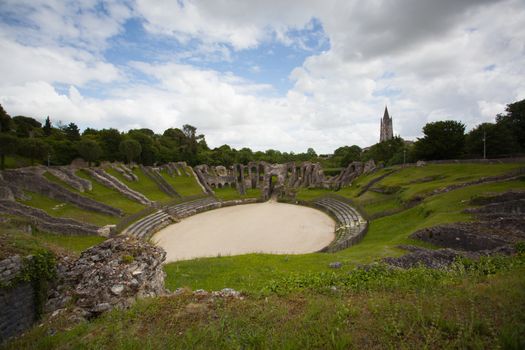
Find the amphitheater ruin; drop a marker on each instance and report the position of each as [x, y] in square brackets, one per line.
[293, 228]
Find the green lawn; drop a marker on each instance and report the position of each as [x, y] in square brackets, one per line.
[61, 209]
[228, 193]
[110, 196]
[443, 174]
[184, 185]
[144, 185]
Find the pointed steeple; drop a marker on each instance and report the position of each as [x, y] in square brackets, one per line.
[386, 116]
[386, 130]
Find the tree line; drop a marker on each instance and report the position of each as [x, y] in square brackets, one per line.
[59, 144]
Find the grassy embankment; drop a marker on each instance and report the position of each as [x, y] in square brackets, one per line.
[13, 240]
[99, 193]
[144, 185]
[185, 185]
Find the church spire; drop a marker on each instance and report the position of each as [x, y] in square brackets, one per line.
[386, 116]
[386, 131]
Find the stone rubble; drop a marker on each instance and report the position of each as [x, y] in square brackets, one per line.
[110, 275]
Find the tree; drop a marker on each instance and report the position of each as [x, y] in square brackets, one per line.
[500, 140]
[385, 151]
[442, 140]
[72, 132]
[310, 152]
[34, 149]
[346, 155]
[244, 155]
[63, 152]
[89, 150]
[5, 120]
[131, 149]
[8, 144]
[47, 127]
[148, 156]
[109, 140]
[26, 126]
[514, 119]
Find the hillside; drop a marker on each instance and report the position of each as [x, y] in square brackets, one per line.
[297, 301]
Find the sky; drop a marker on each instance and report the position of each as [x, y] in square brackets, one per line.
[272, 74]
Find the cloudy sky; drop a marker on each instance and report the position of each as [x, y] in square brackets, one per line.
[286, 75]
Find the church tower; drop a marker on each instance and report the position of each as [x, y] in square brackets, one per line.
[387, 131]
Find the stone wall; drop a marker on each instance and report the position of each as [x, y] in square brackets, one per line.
[17, 303]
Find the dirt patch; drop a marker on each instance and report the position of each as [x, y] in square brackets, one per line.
[269, 227]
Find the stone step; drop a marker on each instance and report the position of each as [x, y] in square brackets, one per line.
[139, 225]
[351, 227]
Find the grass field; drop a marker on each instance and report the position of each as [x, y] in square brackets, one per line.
[66, 210]
[15, 241]
[184, 185]
[477, 308]
[109, 196]
[144, 185]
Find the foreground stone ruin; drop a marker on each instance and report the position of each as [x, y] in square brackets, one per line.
[110, 275]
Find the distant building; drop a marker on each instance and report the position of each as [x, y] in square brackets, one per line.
[387, 131]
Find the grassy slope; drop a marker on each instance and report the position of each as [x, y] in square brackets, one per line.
[60, 209]
[184, 185]
[109, 196]
[414, 309]
[15, 241]
[145, 185]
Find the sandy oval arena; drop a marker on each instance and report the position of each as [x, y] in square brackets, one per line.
[268, 227]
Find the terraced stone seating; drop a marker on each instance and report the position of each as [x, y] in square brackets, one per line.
[112, 182]
[190, 208]
[46, 222]
[150, 224]
[69, 177]
[351, 227]
[154, 175]
[126, 172]
[33, 181]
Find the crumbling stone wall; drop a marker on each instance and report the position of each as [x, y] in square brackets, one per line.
[270, 178]
[110, 275]
[17, 303]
